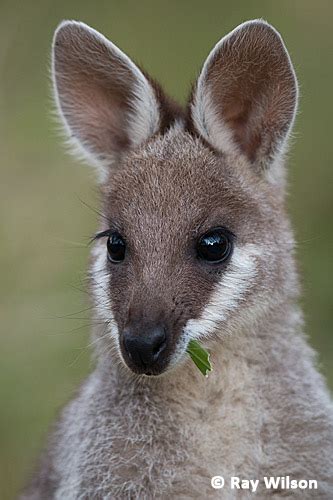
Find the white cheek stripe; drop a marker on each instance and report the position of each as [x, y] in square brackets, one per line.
[227, 294]
[100, 285]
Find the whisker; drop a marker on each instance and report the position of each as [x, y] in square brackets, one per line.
[94, 210]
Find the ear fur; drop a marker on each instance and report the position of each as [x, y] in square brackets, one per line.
[106, 103]
[245, 98]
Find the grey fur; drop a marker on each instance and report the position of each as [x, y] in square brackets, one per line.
[265, 409]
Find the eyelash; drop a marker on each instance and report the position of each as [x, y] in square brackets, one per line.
[103, 234]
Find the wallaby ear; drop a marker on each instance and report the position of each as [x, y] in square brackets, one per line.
[246, 96]
[107, 104]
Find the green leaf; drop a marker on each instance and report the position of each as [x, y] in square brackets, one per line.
[199, 356]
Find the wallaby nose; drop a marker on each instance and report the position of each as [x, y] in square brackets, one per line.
[145, 349]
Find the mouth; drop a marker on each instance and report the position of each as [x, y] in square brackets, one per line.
[148, 371]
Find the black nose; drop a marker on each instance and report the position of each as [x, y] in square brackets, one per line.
[145, 348]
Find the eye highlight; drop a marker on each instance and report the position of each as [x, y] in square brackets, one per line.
[116, 248]
[215, 246]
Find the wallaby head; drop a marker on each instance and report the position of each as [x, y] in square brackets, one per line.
[193, 240]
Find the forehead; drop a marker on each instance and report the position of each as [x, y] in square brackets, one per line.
[175, 183]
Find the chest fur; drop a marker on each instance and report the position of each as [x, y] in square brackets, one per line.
[147, 445]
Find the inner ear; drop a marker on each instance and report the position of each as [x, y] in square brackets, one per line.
[108, 105]
[245, 98]
[102, 95]
[258, 107]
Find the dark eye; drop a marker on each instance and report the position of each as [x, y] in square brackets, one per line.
[116, 248]
[215, 246]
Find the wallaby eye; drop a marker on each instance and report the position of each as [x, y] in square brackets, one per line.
[215, 246]
[116, 248]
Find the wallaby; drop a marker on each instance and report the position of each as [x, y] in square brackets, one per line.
[194, 244]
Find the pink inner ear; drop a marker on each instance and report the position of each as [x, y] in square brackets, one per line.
[252, 89]
[258, 115]
[107, 102]
[95, 88]
[246, 135]
[97, 115]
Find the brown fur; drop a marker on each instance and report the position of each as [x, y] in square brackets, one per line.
[265, 409]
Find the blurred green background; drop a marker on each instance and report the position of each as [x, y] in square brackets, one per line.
[45, 223]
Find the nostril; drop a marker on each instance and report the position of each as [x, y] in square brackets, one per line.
[159, 348]
[159, 342]
[134, 348]
[157, 351]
